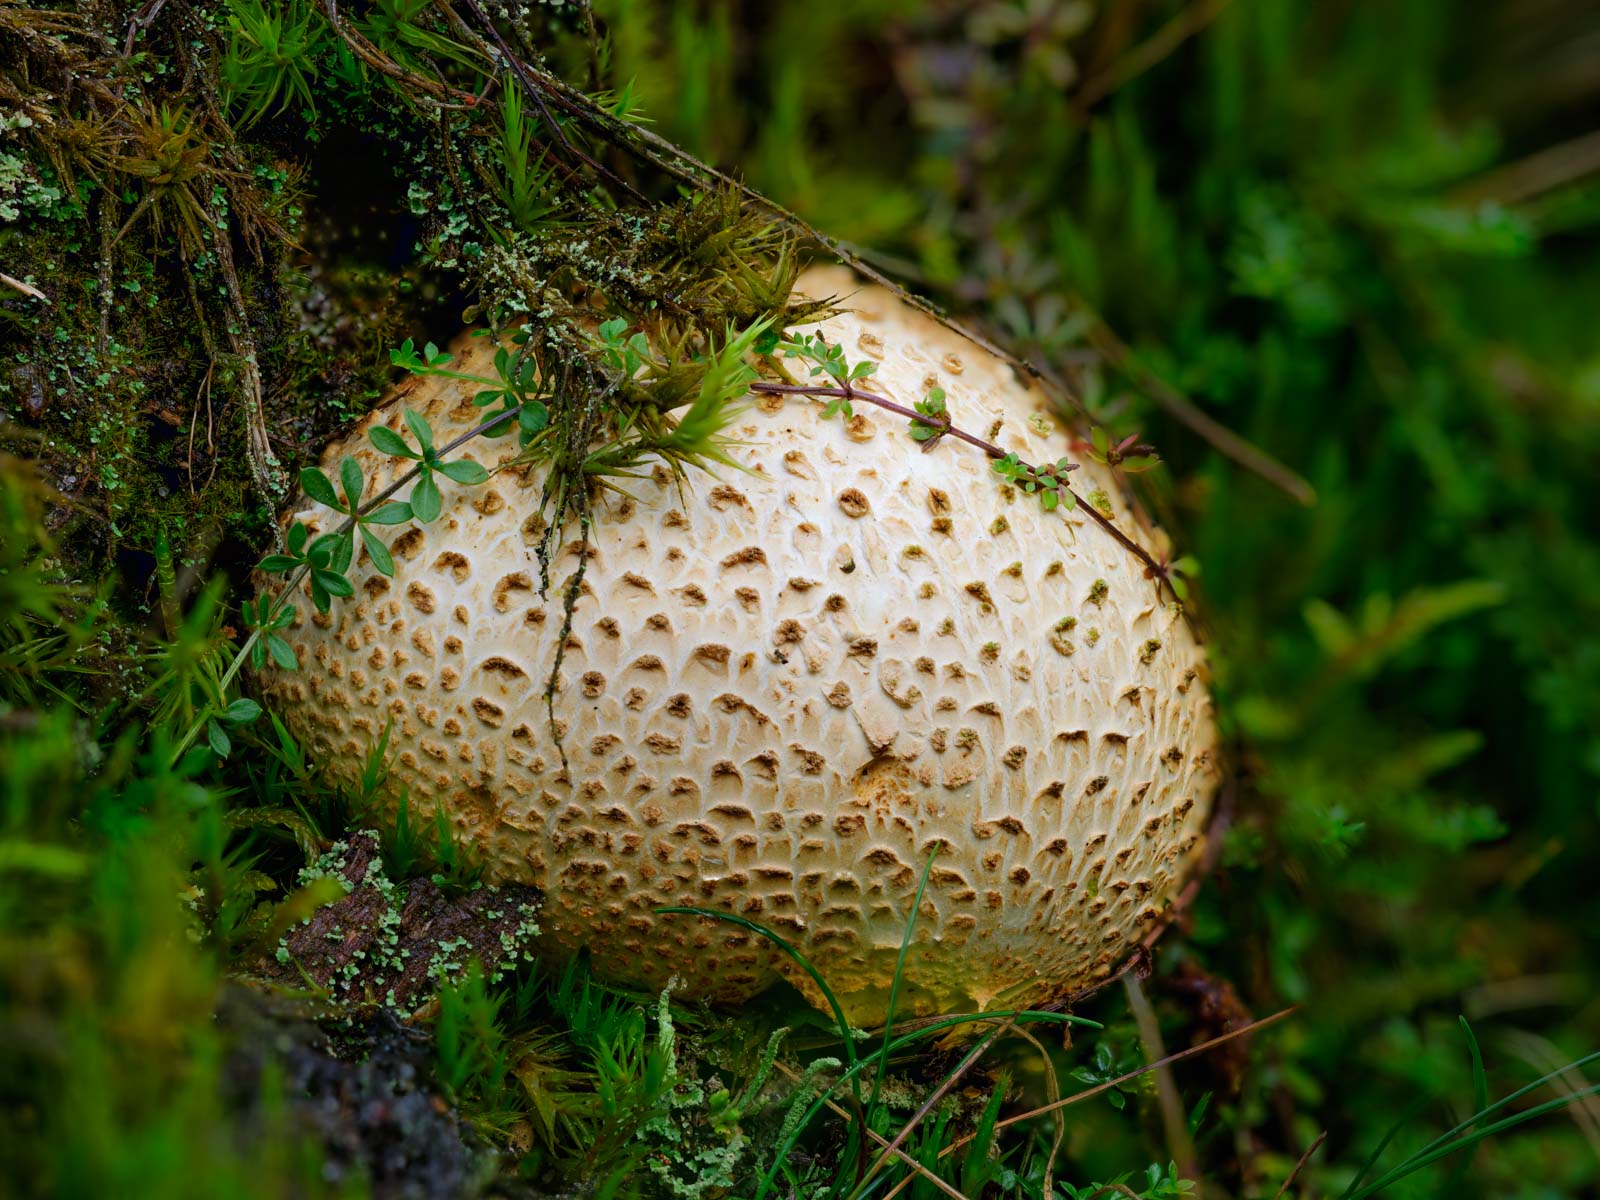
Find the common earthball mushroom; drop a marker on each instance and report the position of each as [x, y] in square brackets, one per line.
[782, 689]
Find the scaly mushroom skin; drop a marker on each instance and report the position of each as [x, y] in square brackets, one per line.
[782, 689]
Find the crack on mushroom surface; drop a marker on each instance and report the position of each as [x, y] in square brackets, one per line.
[742, 739]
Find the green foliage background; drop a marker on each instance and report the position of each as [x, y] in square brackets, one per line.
[1361, 235]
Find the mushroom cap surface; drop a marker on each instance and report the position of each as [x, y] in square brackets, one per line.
[782, 689]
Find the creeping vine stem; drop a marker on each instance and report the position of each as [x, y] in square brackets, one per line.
[1158, 571]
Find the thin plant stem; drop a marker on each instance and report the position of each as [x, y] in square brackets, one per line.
[928, 1105]
[1088, 1093]
[210, 708]
[947, 428]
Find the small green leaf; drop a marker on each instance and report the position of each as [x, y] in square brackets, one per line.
[464, 470]
[419, 430]
[319, 487]
[390, 442]
[241, 712]
[766, 341]
[282, 653]
[332, 582]
[352, 481]
[378, 552]
[218, 739]
[395, 512]
[297, 537]
[534, 418]
[275, 563]
[426, 502]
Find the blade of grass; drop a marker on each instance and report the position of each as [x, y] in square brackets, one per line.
[1429, 1156]
[927, 1106]
[1480, 1101]
[898, 1044]
[916, 1167]
[846, 1034]
[1351, 1193]
[1383, 1144]
[894, 986]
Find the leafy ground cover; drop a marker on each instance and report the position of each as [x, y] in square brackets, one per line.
[1338, 263]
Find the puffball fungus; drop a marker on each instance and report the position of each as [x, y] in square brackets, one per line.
[783, 689]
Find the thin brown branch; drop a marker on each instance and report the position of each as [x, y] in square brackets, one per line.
[928, 1105]
[1116, 352]
[438, 91]
[1154, 569]
[1151, 51]
[1538, 173]
[665, 155]
[1299, 1166]
[1090, 1093]
[533, 88]
[27, 289]
[916, 1168]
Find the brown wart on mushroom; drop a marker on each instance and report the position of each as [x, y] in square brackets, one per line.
[762, 750]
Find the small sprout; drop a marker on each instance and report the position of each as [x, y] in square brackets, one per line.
[1180, 572]
[1128, 455]
[933, 406]
[430, 360]
[258, 615]
[625, 355]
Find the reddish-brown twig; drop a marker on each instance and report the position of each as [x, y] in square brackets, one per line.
[1155, 570]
